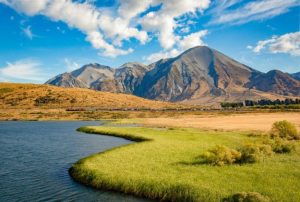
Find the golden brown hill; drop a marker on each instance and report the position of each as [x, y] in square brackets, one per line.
[28, 96]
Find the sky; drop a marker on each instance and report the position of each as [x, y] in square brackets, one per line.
[42, 38]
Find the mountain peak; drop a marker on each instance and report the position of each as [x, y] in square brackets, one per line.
[199, 47]
[275, 71]
[196, 49]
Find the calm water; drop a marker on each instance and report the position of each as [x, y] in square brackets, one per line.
[35, 158]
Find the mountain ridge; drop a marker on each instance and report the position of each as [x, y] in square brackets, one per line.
[200, 74]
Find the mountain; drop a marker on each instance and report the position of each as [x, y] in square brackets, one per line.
[277, 82]
[103, 78]
[129, 76]
[198, 75]
[296, 76]
[67, 80]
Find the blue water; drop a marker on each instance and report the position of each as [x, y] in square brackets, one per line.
[35, 158]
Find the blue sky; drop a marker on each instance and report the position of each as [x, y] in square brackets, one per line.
[42, 38]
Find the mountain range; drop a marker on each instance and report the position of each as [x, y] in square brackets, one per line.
[198, 75]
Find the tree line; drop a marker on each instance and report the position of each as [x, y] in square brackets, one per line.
[263, 102]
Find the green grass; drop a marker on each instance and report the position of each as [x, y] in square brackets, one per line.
[163, 165]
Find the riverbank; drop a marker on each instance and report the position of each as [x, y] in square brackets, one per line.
[164, 166]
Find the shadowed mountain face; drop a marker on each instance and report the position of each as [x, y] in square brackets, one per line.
[200, 75]
[277, 82]
[296, 76]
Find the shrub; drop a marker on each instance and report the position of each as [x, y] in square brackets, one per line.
[247, 197]
[284, 130]
[249, 153]
[252, 153]
[73, 100]
[5, 90]
[45, 100]
[281, 146]
[221, 155]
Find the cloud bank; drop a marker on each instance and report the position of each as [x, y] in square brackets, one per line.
[287, 43]
[23, 70]
[107, 28]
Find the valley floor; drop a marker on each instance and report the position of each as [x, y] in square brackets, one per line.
[259, 120]
[164, 164]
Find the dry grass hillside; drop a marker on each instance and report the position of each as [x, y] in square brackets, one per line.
[29, 96]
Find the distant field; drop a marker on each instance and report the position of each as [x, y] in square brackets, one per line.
[166, 167]
[231, 121]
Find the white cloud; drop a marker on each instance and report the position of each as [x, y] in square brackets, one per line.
[220, 6]
[253, 10]
[82, 16]
[29, 7]
[183, 43]
[28, 70]
[163, 22]
[99, 43]
[28, 33]
[192, 40]
[131, 8]
[162, 55]
[71, 65]
[261, 44]
[287, 43]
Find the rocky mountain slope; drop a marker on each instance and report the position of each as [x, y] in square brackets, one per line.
[199, 75]
[103, 78]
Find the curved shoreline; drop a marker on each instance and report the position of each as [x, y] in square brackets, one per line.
[185, 193]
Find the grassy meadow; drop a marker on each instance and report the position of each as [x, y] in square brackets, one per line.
[164, 164]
